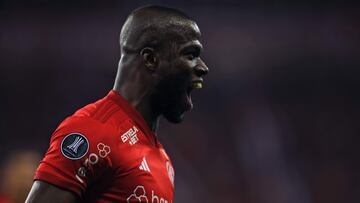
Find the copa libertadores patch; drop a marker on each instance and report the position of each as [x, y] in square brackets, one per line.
[74, 146]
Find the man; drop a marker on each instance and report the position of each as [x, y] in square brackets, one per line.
[108, 151]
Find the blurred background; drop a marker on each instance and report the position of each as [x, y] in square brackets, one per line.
[277, 121]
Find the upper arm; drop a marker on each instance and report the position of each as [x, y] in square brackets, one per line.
[79, 154]
[44, 192]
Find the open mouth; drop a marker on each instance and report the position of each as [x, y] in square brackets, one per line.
[194, 85]
[197, 84]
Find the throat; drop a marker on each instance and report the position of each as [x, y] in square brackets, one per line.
[148, 114]
[140, 99]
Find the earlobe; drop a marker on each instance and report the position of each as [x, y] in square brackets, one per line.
[149, 57]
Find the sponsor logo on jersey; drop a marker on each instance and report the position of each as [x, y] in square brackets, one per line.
[130, 135]
[139, 195]
[74, 146]
[81, 173]
[92, 159]
[104, 150]
[144, 166]
[170, 171]
[169, 167]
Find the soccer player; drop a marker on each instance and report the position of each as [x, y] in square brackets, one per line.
[108, 151]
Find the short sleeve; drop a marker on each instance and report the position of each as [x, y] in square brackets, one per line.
[79, 153]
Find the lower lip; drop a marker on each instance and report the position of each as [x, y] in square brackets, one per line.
[188, 103]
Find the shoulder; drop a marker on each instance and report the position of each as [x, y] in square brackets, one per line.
[119, 135]
[86, 126]
[99, 119]
[103, 113]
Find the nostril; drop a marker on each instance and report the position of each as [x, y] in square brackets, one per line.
[206, 70]
[201, 70]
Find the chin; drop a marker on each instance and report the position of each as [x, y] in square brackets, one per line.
[174, 118]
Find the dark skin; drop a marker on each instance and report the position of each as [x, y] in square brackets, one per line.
[155, 80]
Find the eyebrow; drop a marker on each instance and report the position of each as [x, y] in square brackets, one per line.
[192, 47]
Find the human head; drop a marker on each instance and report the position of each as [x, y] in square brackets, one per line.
[162, 47]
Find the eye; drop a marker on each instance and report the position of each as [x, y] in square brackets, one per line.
[191, 52]
[192, 55]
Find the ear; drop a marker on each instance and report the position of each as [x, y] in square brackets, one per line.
[149, 57]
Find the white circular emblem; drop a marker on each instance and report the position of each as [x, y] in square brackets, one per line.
[74, 146]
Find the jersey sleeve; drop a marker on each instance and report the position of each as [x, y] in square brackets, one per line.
[79, 153]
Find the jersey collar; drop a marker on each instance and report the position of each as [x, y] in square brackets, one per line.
[133, 114]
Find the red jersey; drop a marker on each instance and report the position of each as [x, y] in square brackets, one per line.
[105, 152]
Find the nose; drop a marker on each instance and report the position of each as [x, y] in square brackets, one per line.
[201, 69]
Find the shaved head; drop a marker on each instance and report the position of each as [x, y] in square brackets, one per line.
[160, 62]
[155, 27]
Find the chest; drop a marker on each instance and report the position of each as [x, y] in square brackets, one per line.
[141, 173]
[148, 167]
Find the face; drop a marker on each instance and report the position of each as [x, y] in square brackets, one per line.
[181, 73]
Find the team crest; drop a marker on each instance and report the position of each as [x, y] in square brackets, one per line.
[74, 146]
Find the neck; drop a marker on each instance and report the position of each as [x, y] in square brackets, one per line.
[138, 96]
[144, 108]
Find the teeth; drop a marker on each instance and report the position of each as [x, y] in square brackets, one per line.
[197, 85]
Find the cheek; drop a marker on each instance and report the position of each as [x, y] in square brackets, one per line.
[183, 67]
[174, 76]
[177, 71]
